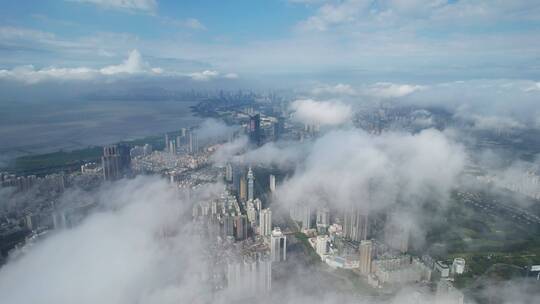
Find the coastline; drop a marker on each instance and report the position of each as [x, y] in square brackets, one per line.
[70, 160]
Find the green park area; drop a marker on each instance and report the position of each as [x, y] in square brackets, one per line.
[496, 245]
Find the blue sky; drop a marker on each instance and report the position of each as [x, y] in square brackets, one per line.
[237, 20]
[407, 40]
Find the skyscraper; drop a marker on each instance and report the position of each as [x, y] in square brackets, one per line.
[278, 245]
[240, 227]
[193, 143]
[254, 129]
[365, 256]
[301, 213]
[355, 224]
[322, 245]
[229, 173]
[228, 226]
[265, 222]
[115, 161]
[250, 190]
[272, 183]
[125, 159]
[166, 142]
[258, 204]
[237, 176]
[306, 217]
[323, 219]
[243, 189]
[172, 147]
[278, 128]
[251, 212]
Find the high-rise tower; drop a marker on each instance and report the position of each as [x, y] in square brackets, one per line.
[272, 183]
[323, 219]
[243, 189]
[229, 173]
[115, 161]
[193, 143]
[265, 222]
[250, 189]
[278, 245]
[254, 129]
[365, 249]
[355, 224]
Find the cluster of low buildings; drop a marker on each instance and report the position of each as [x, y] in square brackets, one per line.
[160, 162]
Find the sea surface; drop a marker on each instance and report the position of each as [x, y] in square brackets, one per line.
[34, 128]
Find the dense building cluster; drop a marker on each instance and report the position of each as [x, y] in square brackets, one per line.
[240, 222]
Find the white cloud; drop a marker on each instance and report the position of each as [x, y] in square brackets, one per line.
[382, 38]
[282, 154]
[349, 167]
[385, 14]
[210, 75]
[322, 113]
[214, 130]
[335, 14]
[132, 5]
[191, 23]
[125, 253]
[29, 74]
[487, 103]
[496, 123]
[10, 32]
[534, 87]
[133, 64]
[392, 90]
[204, 75]
[379, 90]
[228, 150]
[412, 8]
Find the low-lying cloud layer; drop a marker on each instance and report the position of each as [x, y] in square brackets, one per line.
[392, 90]
[140, 247]
[488, 104]
[211, 130]
[323, 113]
[352, 168]
[136, 249]
[349, 168]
